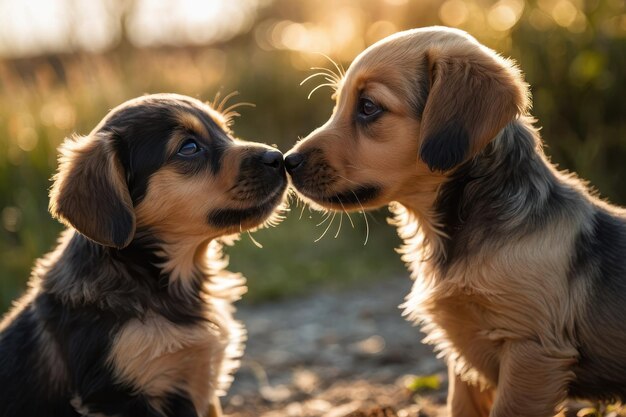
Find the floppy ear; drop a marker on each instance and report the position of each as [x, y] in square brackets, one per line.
[89, 191]
[474, 93]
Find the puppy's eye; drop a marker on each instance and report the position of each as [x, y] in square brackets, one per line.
[188, 148]
[367, 108]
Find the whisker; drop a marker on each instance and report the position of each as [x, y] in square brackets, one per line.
[228, 118]
[302, 211]
[317, 74]
[367, 225]
[340, 70]
[346, 179]
[318, 87]
[326, 217]
[350, 218]
[328, 72]
[346, 211]
[217, 97]
[293, 196]
[330, 77]
[256, 243]
[327, 227]
[340, 223]
[236, 105]
[227, 97]
[333, 82]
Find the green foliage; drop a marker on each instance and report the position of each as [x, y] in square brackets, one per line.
[423, 383]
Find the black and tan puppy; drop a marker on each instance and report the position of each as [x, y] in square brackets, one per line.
[131, 315]
[520, 272]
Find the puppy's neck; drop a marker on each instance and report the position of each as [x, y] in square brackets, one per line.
[146, 274]
[185, 262]
[502, 190]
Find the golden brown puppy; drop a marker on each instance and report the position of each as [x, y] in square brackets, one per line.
[520, 273]
[131, 315]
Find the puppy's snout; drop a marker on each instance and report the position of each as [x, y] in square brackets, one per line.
[293, 161]
[273, 159]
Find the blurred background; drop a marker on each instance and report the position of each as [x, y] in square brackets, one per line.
[65, 63]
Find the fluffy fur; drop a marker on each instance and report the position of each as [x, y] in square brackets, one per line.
[520, 271]
[131, 314]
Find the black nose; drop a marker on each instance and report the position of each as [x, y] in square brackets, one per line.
[293, 161]
[273, 159]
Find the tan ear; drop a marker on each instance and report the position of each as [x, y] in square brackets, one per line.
[89, 191]
[474, 93]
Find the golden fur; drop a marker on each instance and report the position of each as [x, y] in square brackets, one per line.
[436, 124]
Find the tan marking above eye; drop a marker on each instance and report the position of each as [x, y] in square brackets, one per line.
[192, 123]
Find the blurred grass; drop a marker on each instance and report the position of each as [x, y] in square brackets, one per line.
[575, 71]
[292, 263]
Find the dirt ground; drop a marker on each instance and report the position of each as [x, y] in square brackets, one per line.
[334, 355]
[343, 354]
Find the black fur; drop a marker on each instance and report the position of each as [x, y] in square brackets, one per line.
[447, 148]
[232, 217]
[84, 332]
[599, 257]
[23, 393]
[256, 181]
[488, 193]
[122, 226]
[149, 121]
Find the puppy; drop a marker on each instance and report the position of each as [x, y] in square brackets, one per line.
[131, 314]
[520, 271]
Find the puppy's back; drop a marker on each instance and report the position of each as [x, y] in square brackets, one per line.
[600, 262]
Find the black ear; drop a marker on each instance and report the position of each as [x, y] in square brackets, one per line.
[473, 94]
[446, 148]
[89, 191]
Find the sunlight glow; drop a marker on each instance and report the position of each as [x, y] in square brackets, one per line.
[30, 27]
[564, 13]
[504, 14]
[158, 22]
[453, 12]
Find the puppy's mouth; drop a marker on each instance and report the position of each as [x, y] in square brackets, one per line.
[250, 217]
[318, 181]
[350, 199]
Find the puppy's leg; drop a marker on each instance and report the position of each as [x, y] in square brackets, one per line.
[467, 400]
[532, 381]
[215, 409]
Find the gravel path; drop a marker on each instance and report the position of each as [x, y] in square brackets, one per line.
[334, 355]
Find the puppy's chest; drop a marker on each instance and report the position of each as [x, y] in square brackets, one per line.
[465, 329]
[473, 313]
[159, 357]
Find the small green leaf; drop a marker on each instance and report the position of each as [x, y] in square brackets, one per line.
[424, 383]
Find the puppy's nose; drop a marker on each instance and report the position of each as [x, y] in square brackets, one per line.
[293, 161]
[273, 159]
